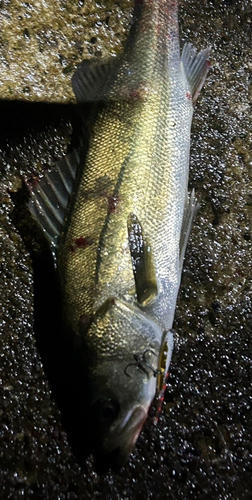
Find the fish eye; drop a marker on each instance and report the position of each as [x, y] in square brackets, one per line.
[106, 410]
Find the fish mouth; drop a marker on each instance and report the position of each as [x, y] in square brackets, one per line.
[118, 448]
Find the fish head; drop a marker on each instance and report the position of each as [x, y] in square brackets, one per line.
[122, 381]
[118, 414]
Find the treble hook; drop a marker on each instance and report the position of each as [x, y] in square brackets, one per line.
[143, 364]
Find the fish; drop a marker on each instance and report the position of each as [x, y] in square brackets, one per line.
[117, 215]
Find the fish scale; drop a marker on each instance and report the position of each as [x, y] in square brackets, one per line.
[119, 252]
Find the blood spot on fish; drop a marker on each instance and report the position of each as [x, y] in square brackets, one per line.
[161, 399]
[81, 242]
[140, 93]
[32, 183]
[134, 94]
[112, 203]
[85, 321]
[189, 96]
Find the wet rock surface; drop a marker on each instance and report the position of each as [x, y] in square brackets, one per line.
[41, 43]
[202, 446]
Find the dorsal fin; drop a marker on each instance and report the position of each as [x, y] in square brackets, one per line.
[50, 198]
[196, 68]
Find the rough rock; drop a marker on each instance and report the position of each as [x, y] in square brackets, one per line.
[202, 446]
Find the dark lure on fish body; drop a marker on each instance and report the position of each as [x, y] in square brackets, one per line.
[118, 222]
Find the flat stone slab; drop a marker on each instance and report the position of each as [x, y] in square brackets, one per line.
[42, 42]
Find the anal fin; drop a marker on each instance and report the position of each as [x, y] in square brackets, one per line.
[142, 262]
[196, 67]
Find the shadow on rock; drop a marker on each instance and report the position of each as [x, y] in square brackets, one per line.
[67, 384]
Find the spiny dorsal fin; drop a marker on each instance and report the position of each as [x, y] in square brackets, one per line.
[50, 198]
[196, 68]
[142, 262]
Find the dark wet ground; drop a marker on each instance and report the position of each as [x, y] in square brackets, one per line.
[202, 447]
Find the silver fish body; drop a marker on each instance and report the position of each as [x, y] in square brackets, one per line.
[120, 254]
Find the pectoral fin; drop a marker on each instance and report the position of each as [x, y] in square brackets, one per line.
[163, 372]
[191, 209]
[142, 262]
[164, 361]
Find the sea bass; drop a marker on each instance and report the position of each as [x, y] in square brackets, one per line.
[117, 215]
